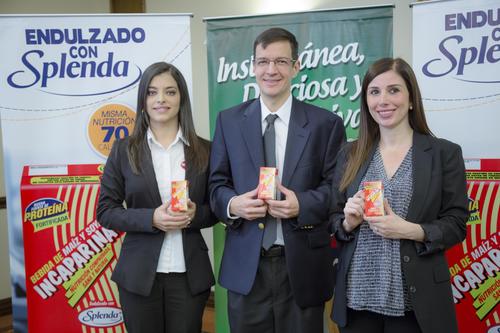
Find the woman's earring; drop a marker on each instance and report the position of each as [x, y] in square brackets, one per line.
[411, 107]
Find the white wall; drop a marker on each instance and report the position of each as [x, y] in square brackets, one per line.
[54, 6]
[4, 240]
[4, 257]
[200, 9]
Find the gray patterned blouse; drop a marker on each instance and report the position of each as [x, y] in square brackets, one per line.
[375, 280]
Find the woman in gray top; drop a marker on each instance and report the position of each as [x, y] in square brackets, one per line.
[392, 271]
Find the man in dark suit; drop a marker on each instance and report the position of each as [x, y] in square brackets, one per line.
[277, 264]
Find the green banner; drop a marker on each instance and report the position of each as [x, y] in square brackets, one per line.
[336, 48]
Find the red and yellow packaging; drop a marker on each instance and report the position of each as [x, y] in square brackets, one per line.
[69, 256]
[179, 196]
[374, 198]
[267, 183]
[474, 263]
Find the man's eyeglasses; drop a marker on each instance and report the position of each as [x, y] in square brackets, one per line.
[279, 62]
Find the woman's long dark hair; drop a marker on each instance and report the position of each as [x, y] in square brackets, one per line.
[196, 152]
[369, 131]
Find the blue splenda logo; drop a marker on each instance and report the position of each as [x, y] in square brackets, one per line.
[101, 316]
[81, 61]
[457, 52]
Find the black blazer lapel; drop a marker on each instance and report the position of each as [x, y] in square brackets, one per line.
[422, 165]
[251, 128]
[296, 141]
[149, 176]
[192, 178]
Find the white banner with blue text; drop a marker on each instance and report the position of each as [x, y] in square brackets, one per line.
[456, 57]
[68, 89]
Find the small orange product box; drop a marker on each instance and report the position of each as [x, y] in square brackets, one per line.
[374, 198]
[179, 200]
[267, 183]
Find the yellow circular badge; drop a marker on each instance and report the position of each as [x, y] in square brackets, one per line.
[108, 123]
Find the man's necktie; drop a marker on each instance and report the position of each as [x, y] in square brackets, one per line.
[270, 156]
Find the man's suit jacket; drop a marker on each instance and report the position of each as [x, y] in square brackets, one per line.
[439, 204]
[138, 260]
[314, 138]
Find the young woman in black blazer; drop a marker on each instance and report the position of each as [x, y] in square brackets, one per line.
[163, 271]
[392, 274]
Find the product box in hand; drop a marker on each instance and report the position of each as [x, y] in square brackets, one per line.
[267, 183]
[374, 198]
[179, 196]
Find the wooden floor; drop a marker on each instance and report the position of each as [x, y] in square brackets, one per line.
[208, 322]
[6, 324]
